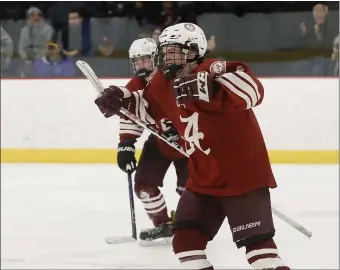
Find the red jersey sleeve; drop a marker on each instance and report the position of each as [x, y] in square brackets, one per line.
[243, 89]
[236, 86]
[127, 128]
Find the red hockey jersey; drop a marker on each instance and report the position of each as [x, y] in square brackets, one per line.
[227, 152]
[129, 129]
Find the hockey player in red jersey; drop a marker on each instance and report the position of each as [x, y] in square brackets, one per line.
[210, 104]
[156, 155]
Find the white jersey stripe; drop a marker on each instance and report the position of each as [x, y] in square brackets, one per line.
[237, 92]
[242, 85]
[129, 131]
[131, 126]
[250, 81]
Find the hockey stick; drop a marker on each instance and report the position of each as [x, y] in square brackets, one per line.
[292, 223]
[126, 239]
[92, 77]
[132, 208]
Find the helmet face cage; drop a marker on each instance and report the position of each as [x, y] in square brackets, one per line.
[142, 66]
[172, 58]
[171, 54]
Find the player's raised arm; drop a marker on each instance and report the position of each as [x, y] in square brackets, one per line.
[233, 85]
[243, 89]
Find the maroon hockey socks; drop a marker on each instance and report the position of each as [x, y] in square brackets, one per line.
[154, 204]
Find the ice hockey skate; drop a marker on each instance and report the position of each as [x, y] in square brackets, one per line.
[160, 235]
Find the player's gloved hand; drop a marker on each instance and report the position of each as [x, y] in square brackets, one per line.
[172, 134]
[126, 156]
[194, 87]
[113, 99]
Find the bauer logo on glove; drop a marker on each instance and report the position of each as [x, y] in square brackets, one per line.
[194, 87]
[126, 156]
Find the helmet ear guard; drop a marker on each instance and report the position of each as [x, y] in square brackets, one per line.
[194, 47]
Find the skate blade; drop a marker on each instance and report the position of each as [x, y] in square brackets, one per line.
[165, 241]
[119, 239]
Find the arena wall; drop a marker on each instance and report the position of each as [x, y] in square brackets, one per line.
[56, 121]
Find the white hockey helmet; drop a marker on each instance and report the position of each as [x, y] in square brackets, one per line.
[187, 36]
[140, 48]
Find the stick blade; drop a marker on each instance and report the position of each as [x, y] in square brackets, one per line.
[112, 240]
[167, 241]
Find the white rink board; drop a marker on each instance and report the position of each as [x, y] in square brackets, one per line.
[296, 114]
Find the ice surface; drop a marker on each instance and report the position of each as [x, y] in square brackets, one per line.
[56, 216]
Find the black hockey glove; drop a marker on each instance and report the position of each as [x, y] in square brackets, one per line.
[126, 156]
[171, 134]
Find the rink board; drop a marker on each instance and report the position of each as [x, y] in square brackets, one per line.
[56, 121]
[110, 156]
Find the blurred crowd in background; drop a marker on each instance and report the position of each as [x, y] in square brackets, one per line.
[288, 38]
